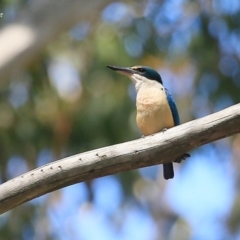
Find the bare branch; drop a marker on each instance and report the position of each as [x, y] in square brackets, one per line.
[23, 39]
[157, 149]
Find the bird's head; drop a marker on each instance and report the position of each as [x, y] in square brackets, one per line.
[138, 74]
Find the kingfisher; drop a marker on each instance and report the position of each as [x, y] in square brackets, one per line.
[156, 109]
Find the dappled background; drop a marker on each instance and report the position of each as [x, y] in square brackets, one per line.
[63, 101]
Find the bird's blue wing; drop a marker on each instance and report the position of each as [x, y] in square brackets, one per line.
[173, 108]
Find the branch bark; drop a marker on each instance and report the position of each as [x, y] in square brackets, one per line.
[157, 149]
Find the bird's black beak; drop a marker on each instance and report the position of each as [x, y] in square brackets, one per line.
[123, 70]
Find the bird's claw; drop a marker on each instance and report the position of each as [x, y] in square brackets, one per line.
[182, 157]
[164, 130]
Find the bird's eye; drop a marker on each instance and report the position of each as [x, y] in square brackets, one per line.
[142, 70]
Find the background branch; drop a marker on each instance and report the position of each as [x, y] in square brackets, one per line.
[37, 25]
[157, 149]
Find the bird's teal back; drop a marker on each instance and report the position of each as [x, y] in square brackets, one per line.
[173, 108]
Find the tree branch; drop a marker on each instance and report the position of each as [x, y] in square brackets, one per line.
[157, 149]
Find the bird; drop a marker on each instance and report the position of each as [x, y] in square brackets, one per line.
[156, 109]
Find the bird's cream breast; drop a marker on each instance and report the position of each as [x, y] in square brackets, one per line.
[153, 111]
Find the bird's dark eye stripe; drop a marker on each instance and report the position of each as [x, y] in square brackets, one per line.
[141, 70]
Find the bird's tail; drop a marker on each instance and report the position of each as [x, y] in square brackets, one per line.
[168, 172]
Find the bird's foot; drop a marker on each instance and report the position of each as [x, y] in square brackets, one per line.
[182, 157]
[164, 130]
